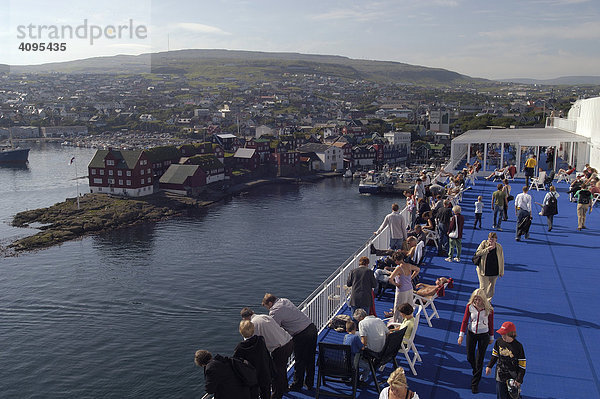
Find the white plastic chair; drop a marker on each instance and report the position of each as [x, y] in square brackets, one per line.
[538, 182]
[409, 345]
[417, 257]
[562, 177]
[434, 236]
[428, 301]
[596, 197]
[471, 178]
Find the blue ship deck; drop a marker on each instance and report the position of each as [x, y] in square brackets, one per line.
[548, 290]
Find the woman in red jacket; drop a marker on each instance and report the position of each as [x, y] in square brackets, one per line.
[478, 324]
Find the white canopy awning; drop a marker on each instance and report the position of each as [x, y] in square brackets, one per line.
[517, 139]
[525, 137]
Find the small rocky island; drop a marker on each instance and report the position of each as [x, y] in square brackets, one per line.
[102, 212]
[97, 212]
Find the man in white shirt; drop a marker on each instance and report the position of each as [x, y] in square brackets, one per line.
[372, 330]
[523, 211]
[279, 344]
[397, 225]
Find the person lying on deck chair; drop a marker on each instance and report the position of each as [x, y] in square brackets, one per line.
[431, 289]
[498, 173]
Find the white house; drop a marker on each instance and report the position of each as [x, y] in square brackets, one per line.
[332, 157]
[263, 130]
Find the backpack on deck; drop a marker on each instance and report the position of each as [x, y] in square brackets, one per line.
[551, 207]
[584, 197]
[338, 323]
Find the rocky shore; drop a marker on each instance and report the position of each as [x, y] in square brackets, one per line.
[98, 212]
[101, 212]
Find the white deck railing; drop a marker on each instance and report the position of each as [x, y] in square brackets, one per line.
[570, 125]
[329, 298]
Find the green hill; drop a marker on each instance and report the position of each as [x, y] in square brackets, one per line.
[216, 65]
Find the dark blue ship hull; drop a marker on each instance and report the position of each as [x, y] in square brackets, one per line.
[14, 157]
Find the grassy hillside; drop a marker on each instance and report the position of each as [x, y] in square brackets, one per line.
[216, 65]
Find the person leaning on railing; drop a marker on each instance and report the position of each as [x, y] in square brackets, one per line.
[304, 335]
[219, 376]
[279, 344]
[254, 350]
[397, 224]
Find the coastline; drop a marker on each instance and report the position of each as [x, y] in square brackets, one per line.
[63, 222]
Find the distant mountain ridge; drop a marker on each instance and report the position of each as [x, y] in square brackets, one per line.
[220, 64]
[563, 80]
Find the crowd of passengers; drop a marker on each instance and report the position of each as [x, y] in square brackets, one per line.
[434, 214]
[407, 240]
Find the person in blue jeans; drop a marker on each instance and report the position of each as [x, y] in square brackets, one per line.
[356, 347]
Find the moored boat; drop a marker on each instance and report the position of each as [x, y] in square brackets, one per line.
[387, 182]
[17, 156]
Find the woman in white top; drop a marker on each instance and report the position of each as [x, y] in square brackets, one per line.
[402, 277]
[478, 325]
[398, 388]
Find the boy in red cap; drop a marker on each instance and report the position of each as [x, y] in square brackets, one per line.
[509, 354]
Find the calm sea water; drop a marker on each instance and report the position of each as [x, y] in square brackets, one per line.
[121, 314]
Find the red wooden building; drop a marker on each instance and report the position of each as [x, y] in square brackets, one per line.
[121, 172]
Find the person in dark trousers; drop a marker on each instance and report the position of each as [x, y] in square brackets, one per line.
[523, 211]
[506, 188]
[363, 282]
[550, 206]
[510, 356]
[304, 335]
[444, 214]
[254, 350]
[499, 203]
[279, 344]
[219, 377]
[530, 165]
[478, 211]
[478, 325]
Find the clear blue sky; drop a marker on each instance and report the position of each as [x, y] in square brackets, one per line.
[480, 38]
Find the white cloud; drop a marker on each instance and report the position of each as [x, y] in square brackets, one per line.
[561, 2]
[588, 30]
[201, 28]
[130, 46]
[446, 3]
[356, 15]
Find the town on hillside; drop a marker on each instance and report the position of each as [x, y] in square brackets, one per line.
[186, 134]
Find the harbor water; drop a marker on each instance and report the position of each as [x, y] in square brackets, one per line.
[120, 314]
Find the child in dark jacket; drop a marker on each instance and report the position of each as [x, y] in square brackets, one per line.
[254, 350]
